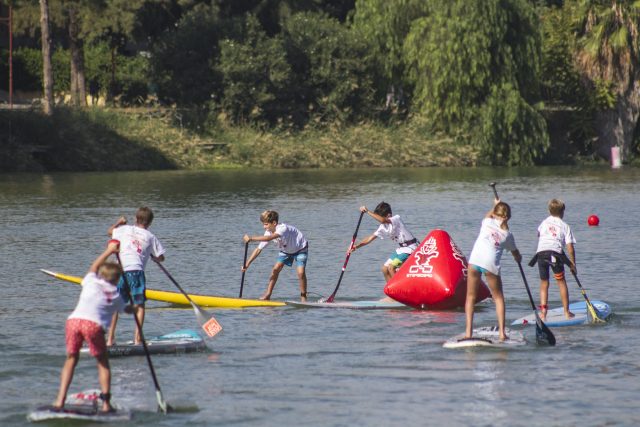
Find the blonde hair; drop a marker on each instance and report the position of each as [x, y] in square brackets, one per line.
[269, 216]
[556, 207]
[502, 210]
[111, 272]
[144, 216]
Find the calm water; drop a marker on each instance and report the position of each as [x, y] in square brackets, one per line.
[284, 366]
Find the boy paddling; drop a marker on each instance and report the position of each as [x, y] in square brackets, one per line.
[137, 244]
[99, 300]
[292, 246]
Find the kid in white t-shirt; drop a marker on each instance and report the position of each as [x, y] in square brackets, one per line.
[137, 244]
[99, 300]
[553, 235]
[391, 227]
[292, 246]
[485, 257]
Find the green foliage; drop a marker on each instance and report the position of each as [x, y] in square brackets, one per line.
[181, 60]
[510, 132]
[255, 75]
[332, 78]
[458, 53]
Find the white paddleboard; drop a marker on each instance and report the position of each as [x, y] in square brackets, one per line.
[555, 317]
[487, 336]
[85, 405]
[354, 305]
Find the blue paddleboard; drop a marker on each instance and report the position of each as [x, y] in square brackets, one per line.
[487, 336]
[354, 305]
[555, 317]
[178, 342]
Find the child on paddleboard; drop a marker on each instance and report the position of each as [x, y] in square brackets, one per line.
[391, 227]
[292, 246]
[137, 244]
[553, 235]
[485, 257]
[99, 299]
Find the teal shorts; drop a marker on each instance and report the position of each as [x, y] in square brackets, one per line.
[300, 258]
[135, 285]
[396, 260]
[478, 268]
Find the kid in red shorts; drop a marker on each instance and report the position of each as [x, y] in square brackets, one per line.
[98, 301]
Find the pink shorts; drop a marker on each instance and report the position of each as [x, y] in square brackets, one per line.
[80, 330]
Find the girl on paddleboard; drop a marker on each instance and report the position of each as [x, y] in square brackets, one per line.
[485, 257]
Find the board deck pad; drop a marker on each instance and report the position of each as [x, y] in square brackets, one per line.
[487, 336]
[178, 342]
[354, 305]
[85, 405]
[555, 317]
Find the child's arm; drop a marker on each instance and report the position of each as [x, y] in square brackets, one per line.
[490, 213]
[268, 238]
[112, 247]
[364, 242]
[121, 221]
[374, 215]
[517, 256]
[253, 256]
[572, 257]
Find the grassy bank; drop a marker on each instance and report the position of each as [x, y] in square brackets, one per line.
[142, 139]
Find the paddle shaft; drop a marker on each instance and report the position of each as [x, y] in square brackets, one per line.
[597, 317]
[174, 281]
[346, 260]
[244, 266]
[162, 404]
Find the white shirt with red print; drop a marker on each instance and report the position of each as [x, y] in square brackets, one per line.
[554, 234]
[98, 301]
[491, 241]
[136, 245]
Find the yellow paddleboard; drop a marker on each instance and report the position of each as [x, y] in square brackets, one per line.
[179, 298]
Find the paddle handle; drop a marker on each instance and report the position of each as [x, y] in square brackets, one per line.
[493, 187]
[244, 266]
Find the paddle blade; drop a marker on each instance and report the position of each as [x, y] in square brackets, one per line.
[209, 324]
[543, 333]
[594, 315]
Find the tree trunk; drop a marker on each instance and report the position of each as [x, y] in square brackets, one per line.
[616, 127]
[76, 48]
[47, 73]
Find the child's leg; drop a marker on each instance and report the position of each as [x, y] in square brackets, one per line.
[65, 378]
[104, 376]
[387, 271]
[112, 330]
[275, 273]
[302, 278]
[473, 280]
[495, 285]
[139, 313]
[564, 296]
[544, 298]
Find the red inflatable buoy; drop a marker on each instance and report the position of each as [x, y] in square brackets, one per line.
[593, 221]
[434, 276]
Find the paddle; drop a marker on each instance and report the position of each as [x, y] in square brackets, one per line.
[162, 404]
[543, 333]
[594, 314]
[206, 320]
[346, 261]
[244, 265]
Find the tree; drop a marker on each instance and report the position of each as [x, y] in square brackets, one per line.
[608, 53]
[47, 74]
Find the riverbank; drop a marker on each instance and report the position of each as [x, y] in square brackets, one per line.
[97, 139]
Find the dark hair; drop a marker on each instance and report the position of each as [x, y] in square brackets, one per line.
[383, 209]
[144, 216]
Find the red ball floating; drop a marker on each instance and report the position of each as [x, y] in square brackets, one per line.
[593, 221]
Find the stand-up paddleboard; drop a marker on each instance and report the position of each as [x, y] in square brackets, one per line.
[85, 405]
[354, 305]
[178, 298]
[179, 342]
[486, 337]
[555, 317]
